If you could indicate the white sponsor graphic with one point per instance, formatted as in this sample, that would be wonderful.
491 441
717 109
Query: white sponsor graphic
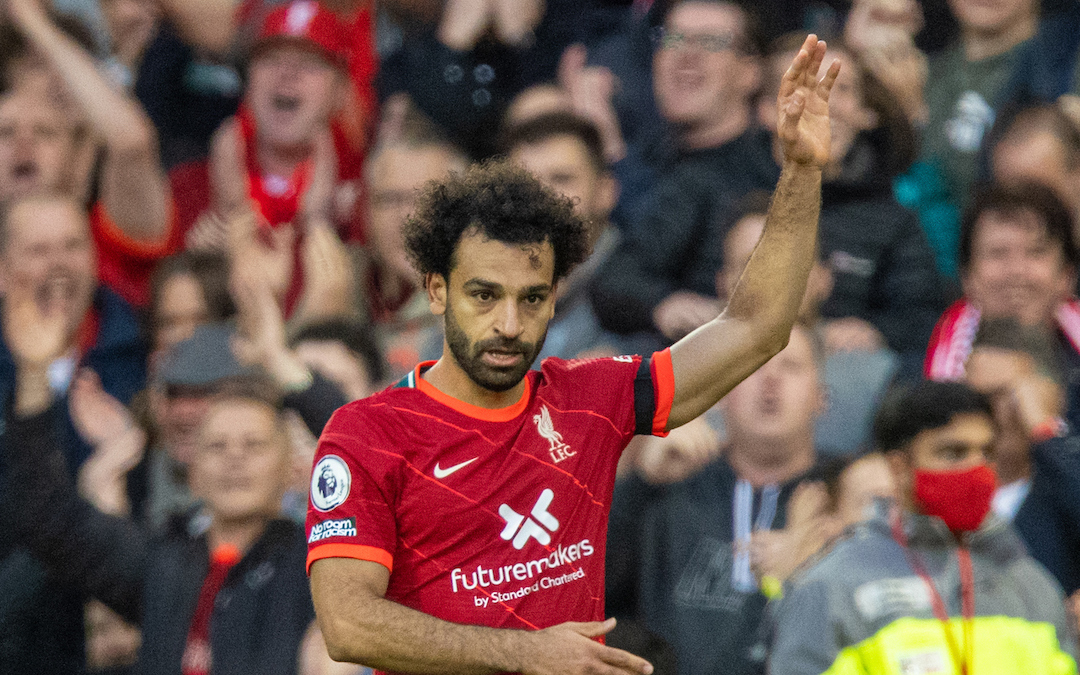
930 662
299 16
488 577
521 529
441 473
346 527
623 359
330 482
558 450
892 597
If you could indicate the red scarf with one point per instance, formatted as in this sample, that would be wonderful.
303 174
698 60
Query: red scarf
198 658
950 344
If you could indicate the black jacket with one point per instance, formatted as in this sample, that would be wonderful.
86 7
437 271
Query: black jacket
1049 518
261 613
678 243
882 265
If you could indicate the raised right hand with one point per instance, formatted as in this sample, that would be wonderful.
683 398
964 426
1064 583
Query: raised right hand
569 649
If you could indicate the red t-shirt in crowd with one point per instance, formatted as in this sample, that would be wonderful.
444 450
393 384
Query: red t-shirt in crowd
124 264
487 517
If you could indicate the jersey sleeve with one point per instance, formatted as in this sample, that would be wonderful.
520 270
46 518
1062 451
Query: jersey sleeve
635 393
353 490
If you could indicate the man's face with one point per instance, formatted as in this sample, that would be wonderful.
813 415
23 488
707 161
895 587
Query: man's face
37 144
242 465
562 163
497 305
394 179
966 442
292 92
180 414
1016 270
780 400
991 16
698 72
993 372
181 309
1038 157
49 254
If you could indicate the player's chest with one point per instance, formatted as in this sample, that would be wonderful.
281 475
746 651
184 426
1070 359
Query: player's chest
520 481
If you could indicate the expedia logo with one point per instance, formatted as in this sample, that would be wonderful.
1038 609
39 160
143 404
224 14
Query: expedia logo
346 527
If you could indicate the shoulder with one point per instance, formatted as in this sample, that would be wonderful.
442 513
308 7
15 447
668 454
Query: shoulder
856 557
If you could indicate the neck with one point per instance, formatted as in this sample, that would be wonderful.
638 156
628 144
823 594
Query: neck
764 462
241 533
723 129
979 45
280 160
448 377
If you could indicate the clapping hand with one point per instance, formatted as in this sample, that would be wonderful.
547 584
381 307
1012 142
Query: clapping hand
803 106
107 425
36 332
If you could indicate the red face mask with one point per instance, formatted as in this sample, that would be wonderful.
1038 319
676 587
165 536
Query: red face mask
960 498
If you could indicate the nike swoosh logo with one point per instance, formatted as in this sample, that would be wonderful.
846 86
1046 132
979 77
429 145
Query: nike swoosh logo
441 473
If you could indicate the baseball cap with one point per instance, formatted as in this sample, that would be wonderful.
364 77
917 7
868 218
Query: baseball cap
205 359
306 23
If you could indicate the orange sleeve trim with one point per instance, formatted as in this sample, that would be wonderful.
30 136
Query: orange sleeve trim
115 235
369 553
487 414
664 385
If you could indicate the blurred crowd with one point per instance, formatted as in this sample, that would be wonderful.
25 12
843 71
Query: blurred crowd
211 193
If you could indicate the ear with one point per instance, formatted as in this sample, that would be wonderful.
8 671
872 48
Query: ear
436 292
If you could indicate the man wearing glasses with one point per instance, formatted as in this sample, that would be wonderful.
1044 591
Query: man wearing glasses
706 70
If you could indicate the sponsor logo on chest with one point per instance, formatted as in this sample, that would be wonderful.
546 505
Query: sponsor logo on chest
512 581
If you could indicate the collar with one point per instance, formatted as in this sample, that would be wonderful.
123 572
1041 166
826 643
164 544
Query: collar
415 380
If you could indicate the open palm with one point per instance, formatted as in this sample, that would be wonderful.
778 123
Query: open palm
803 106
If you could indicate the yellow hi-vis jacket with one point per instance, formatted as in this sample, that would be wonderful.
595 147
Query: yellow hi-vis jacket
862 609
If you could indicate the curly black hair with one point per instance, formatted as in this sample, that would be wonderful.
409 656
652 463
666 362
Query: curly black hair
500 201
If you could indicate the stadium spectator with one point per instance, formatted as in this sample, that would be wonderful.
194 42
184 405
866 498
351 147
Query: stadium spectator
344 352
1001 613
46 251
132 221
396 171
964 90
840 496
174 588
280 157
679 554
1041 144
1017 368
566 153
1018 260
192 77
705 72
886 291
187 290
463 64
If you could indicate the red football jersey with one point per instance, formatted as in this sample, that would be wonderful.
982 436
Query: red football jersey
487 517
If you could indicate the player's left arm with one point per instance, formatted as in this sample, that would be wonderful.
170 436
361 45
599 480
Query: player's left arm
133 186
757 322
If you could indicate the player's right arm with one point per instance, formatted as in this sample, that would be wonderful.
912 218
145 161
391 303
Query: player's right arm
360 625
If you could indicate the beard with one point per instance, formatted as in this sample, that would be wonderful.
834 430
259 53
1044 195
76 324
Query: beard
469 356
